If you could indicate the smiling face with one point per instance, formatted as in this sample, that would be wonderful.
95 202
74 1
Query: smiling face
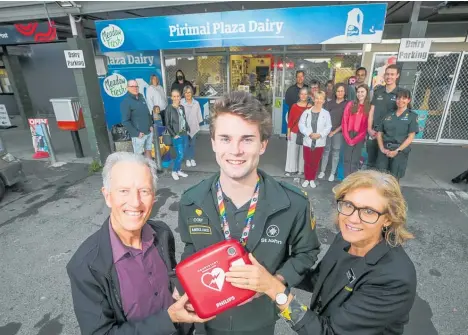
132 87
356 231
402 102
303 95
300 78
237 145
175 96
340 93
360 77
130 197
391 76
361 94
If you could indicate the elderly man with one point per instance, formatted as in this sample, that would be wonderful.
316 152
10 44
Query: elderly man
121 276
137 119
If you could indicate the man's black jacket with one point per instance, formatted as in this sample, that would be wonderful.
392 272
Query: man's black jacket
96 290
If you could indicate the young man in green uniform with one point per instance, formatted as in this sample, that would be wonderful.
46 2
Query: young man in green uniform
273 219
382 104
395 135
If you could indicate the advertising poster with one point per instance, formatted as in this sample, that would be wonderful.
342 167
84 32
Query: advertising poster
124 66
4 118
41 150
422 118
381 62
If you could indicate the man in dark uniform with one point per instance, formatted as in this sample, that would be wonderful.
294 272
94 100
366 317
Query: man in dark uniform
382 104
396 132
272 219
292 93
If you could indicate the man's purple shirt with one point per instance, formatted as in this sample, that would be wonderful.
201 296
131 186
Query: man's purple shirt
143 276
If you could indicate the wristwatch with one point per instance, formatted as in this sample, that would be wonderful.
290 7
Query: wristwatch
398 150
282 298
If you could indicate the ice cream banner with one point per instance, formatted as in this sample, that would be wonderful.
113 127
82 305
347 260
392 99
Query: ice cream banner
356 23
38 127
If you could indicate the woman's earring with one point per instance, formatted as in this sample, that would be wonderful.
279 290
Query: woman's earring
385 229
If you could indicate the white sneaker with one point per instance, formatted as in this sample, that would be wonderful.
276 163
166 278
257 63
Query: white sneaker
188 163
182 174
312 184
321 175
193 162
287 174
331 178
305 183
175 176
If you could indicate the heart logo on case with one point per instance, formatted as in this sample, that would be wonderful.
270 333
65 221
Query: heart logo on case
214 280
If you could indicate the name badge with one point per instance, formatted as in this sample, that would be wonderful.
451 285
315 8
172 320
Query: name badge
199 230
198 220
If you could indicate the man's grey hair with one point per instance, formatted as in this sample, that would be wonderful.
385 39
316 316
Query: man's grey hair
127 157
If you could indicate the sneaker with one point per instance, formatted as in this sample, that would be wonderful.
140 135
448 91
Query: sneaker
321 175
331 178
175 176
312 184
193 162
287 174
182 174
305 183
188 163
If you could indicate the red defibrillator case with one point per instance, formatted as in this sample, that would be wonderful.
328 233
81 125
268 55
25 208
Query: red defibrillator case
202 276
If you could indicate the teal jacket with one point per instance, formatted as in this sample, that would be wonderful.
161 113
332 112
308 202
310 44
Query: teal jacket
290 250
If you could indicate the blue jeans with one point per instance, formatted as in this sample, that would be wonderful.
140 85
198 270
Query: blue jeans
180 145
190 151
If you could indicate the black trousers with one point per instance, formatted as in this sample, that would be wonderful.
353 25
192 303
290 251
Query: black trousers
270 330
396 166
351 157
372 153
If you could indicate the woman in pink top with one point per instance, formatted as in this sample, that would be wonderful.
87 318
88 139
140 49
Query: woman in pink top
354 128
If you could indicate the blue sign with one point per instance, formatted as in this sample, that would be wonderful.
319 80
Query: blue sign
281 26
123 66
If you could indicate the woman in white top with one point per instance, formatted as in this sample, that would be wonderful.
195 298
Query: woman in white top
156 99
194 118
315 124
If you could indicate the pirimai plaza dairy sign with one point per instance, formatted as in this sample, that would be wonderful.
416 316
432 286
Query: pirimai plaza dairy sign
356 23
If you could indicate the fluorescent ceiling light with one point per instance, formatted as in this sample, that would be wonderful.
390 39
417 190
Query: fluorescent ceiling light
67 4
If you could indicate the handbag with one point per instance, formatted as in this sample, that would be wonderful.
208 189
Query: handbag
120 133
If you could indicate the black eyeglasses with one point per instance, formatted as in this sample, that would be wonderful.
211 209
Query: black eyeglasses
366 214
133 86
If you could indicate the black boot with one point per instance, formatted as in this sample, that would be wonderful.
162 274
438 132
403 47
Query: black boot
461 177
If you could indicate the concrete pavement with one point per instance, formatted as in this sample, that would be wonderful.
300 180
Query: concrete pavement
41 230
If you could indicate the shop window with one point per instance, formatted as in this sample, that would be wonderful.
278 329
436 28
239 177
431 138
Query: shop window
206 73
5 85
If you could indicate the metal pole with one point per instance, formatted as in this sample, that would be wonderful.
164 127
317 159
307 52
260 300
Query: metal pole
45 131
77 144
73 25
157 151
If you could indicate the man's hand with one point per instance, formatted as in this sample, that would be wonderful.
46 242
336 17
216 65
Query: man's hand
141 135
175 294
178 312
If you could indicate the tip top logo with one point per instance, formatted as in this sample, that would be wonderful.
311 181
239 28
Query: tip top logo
115 85
112 36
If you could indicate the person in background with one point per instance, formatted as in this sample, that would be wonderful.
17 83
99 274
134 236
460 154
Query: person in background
156 100
180 82
329 90
194 118
354 128
314 88
361 76
366 282
294 153
315 124
137 119
272 219
122 276
178 127
292 93
334 140
396 133
383 103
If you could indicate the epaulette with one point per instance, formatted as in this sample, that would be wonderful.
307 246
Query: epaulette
295 189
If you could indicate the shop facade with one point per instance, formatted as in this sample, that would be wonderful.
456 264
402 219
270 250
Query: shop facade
221 52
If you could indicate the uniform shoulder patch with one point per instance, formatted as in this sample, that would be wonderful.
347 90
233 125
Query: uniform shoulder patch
294 189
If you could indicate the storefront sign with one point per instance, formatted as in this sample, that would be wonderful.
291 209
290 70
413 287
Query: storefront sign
115 85
280 26
41 149
4 118
35 32
74 59
414 49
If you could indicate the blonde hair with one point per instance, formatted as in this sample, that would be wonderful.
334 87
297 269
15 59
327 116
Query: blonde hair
320 93
396 233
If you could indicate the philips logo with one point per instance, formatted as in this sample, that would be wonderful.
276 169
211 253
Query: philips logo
225 301
3 35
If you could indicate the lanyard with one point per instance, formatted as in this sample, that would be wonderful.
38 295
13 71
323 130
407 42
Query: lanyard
248 219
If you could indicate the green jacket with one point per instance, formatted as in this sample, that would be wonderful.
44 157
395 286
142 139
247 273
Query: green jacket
289 249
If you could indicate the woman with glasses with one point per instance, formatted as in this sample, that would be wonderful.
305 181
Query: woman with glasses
365 283
395 135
